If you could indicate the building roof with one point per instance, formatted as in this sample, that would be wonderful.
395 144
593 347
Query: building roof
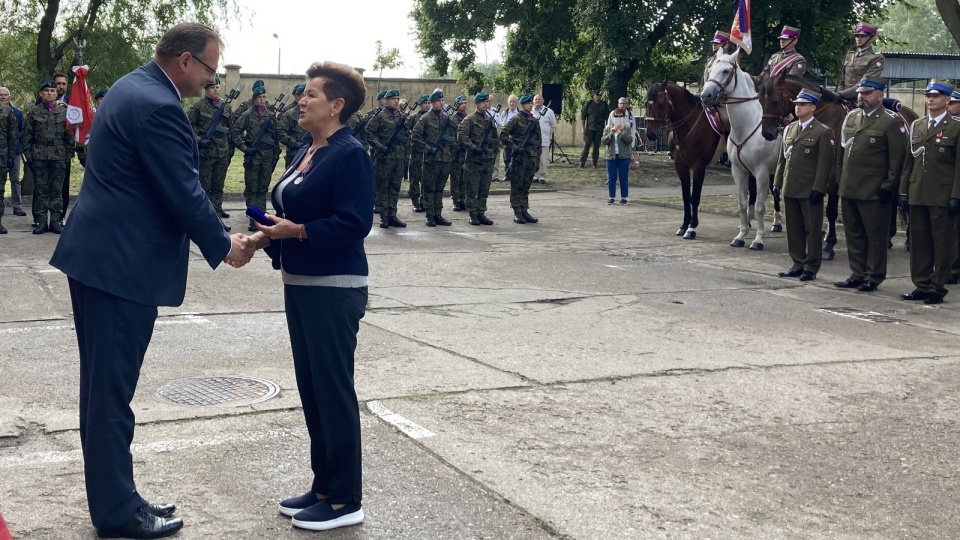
901 66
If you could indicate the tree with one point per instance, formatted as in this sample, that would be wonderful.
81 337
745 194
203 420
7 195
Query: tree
950 13
386 60
915 26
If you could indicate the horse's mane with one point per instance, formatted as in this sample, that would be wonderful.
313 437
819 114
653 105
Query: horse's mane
652 94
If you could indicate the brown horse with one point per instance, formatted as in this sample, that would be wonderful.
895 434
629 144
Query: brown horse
776 97
692 146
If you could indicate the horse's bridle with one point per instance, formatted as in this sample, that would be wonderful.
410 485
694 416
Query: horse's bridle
723 98
784 113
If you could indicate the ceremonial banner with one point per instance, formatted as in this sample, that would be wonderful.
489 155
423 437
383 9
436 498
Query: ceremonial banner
740 32
80 108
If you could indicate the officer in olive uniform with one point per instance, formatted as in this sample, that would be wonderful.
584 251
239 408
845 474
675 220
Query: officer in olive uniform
254 134
435 135
387 134
860 63
46 143
932 192
593 117
788 58
457 187
9 137
872 155
478 136
288 129
415 155
721 40
954 109
521 134
214 151
803 168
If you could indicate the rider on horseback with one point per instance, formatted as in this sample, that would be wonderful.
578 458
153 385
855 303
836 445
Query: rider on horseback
863 62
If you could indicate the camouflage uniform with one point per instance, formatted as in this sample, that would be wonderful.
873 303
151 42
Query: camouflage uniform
478 164
525 160
291 134
258 163
388 164
415 164
215 153
436 164
46 144
8 146
457 187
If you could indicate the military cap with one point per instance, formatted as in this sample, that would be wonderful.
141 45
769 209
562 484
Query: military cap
387 94
424 97
46 84
299 89
258 82
382 94
208 84
458 101
436 94
937 87
481 96
721 37
808 96
954 96
100 93
864 29
526 98
789 32
258 90
868 84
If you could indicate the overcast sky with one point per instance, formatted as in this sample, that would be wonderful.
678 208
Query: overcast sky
341 31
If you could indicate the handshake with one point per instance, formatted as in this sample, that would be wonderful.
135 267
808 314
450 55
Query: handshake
243 247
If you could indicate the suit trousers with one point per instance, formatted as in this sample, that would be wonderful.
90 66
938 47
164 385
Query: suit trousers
433 180
867 225
323 323
933 247
804 241
113 335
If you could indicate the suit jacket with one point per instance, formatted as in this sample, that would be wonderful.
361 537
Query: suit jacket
875 159
810 162
141 203
935 175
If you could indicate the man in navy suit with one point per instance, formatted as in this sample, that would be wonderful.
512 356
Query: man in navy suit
125 251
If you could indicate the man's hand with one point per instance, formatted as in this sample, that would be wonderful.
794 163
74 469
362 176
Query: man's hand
203 143
953 207
240 251
251 151
816 197
904 203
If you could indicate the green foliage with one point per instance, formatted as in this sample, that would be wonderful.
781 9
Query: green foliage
389 59
915 26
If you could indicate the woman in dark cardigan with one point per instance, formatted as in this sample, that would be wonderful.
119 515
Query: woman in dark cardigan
323 207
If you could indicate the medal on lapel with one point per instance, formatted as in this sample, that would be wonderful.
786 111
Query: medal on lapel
939 136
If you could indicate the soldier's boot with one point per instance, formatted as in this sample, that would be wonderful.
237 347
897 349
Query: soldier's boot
3 230
417 207
456 206
431 222
440 220
518 216
474 218
483 219
41 226
395 222
56 227
224 215
528 217
384 220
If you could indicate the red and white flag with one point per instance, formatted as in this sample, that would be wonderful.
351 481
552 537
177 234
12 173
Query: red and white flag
740 32
80 107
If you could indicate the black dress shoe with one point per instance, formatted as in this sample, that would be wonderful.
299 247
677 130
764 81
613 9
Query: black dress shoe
933 298
954 279
19 212
440 220
808 276
850 283
143 525
160 510
867 286
395 222
917 294
484 220
224 215
793 272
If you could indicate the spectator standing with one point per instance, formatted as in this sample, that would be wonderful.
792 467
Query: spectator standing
617 138
548 126
593 117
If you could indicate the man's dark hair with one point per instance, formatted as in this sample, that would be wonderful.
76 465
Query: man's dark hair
58 75
340 81
188 37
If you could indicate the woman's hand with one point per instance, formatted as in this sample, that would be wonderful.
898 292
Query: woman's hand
281 228
258 240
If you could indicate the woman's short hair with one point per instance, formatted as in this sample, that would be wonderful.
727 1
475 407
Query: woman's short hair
188 37
340 81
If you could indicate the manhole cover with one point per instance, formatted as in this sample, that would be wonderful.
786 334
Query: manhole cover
224 391
859 314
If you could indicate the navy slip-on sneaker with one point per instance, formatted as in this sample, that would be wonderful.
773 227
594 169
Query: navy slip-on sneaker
290 507
322 517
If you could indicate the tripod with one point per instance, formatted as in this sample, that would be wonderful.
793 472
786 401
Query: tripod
555 148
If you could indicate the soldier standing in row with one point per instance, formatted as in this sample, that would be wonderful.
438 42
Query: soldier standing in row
46 142
805 163
254 134
593 118
873 151
478 136
457 187
954 109
521 134
289 131
9 138
932 192
387 134
787 58
415 156
434 135
214 151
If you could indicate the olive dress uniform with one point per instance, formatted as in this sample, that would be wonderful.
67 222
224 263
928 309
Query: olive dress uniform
858 64
259 159
215 152
803 167
46 143
871 160
388 161
525 161
437 156
478 164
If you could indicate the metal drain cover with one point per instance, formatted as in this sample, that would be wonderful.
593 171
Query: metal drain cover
862 315
222 391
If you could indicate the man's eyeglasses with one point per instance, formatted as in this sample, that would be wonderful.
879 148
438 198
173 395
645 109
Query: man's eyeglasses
204 64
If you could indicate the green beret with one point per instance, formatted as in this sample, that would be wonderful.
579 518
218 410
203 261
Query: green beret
208 84
46 84
259 90
425 97
382 95
481 96
526 98
258 82
458 101
391 94
436 94
299 89
100 93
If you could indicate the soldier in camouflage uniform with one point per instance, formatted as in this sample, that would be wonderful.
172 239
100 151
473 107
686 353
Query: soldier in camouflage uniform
457 187
861 63
259 156
291 135
215 151
389 156
415 159
436 136
478 136
522 135
8 149
46 143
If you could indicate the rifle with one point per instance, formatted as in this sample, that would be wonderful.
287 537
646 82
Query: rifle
216 130
486 133
535 124
280 104
401 123
362 124
441 139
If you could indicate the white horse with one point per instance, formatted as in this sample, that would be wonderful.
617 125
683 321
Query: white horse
750 154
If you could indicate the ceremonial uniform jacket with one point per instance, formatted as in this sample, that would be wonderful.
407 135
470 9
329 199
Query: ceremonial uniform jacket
707 68
247 126
515 131
9 135
595 115
806 159
791 61
45 135
201 116
860 64
935 174
470 135
874 154
381 127
425 134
